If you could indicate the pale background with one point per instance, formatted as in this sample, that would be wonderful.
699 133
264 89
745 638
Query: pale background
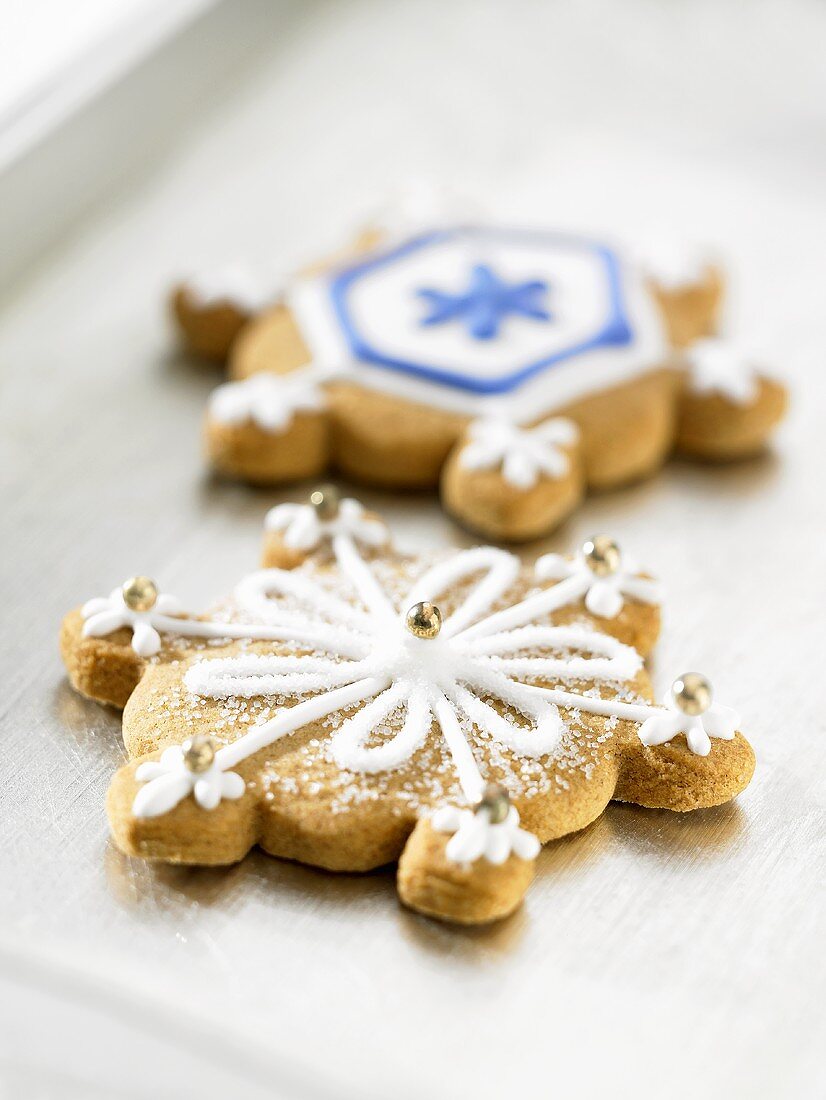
656 955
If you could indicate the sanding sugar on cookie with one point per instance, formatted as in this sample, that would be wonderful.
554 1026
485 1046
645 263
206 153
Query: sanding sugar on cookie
355 706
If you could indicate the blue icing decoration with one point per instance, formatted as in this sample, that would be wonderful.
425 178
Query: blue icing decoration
487 301
614 330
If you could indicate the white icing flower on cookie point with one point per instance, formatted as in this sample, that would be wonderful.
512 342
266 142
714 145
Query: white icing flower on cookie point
304 527
136 604
674 264
720 366
524 455
270 401
690 711
191 768
490 830
249 288
602 576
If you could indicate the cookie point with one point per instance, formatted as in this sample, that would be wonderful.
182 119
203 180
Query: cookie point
602 555
424 620
692 693
496 800
139 593
199 753
325 499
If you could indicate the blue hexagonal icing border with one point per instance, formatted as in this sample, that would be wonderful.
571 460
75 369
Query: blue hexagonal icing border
615 332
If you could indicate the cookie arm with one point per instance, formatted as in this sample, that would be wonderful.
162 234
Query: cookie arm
468 893
209 330
511 483
715 428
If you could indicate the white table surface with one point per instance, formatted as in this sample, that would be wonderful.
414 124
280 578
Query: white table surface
657 955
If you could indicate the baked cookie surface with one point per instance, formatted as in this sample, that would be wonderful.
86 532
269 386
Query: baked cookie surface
351 706
514 369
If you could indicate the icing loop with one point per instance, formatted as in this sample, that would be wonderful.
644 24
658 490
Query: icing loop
716 721
237 284
523 455
476 836
304 529
106 614
169 780
718 366
270 401
604 595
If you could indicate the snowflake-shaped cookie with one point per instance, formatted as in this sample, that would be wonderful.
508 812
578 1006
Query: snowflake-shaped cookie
364 706
514 370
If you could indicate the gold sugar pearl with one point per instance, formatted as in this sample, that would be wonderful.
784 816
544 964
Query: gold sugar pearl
199 753
602 555
692 693
325 499
139 593
496 800
424 620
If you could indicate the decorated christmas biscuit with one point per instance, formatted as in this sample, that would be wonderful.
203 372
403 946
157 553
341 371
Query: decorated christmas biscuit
515 369
364 707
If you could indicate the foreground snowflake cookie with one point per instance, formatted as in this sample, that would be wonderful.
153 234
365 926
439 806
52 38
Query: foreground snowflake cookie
516 370
362 707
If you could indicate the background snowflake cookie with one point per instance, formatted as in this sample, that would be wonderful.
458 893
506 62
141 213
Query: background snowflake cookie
452 355
365 707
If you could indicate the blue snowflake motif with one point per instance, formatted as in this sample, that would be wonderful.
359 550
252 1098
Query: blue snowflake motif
487 301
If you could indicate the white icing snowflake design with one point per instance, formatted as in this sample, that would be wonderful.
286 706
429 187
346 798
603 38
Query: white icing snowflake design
523 454
105 614
476 836
303 528
269 400
604 596
365 653
717 721
718 366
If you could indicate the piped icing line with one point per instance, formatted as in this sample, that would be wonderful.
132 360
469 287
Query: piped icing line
303 529
719 366
475 836
270 401
524 455
366 655
604 595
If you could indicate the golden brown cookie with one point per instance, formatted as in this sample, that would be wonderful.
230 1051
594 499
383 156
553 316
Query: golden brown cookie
516 370
363 707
